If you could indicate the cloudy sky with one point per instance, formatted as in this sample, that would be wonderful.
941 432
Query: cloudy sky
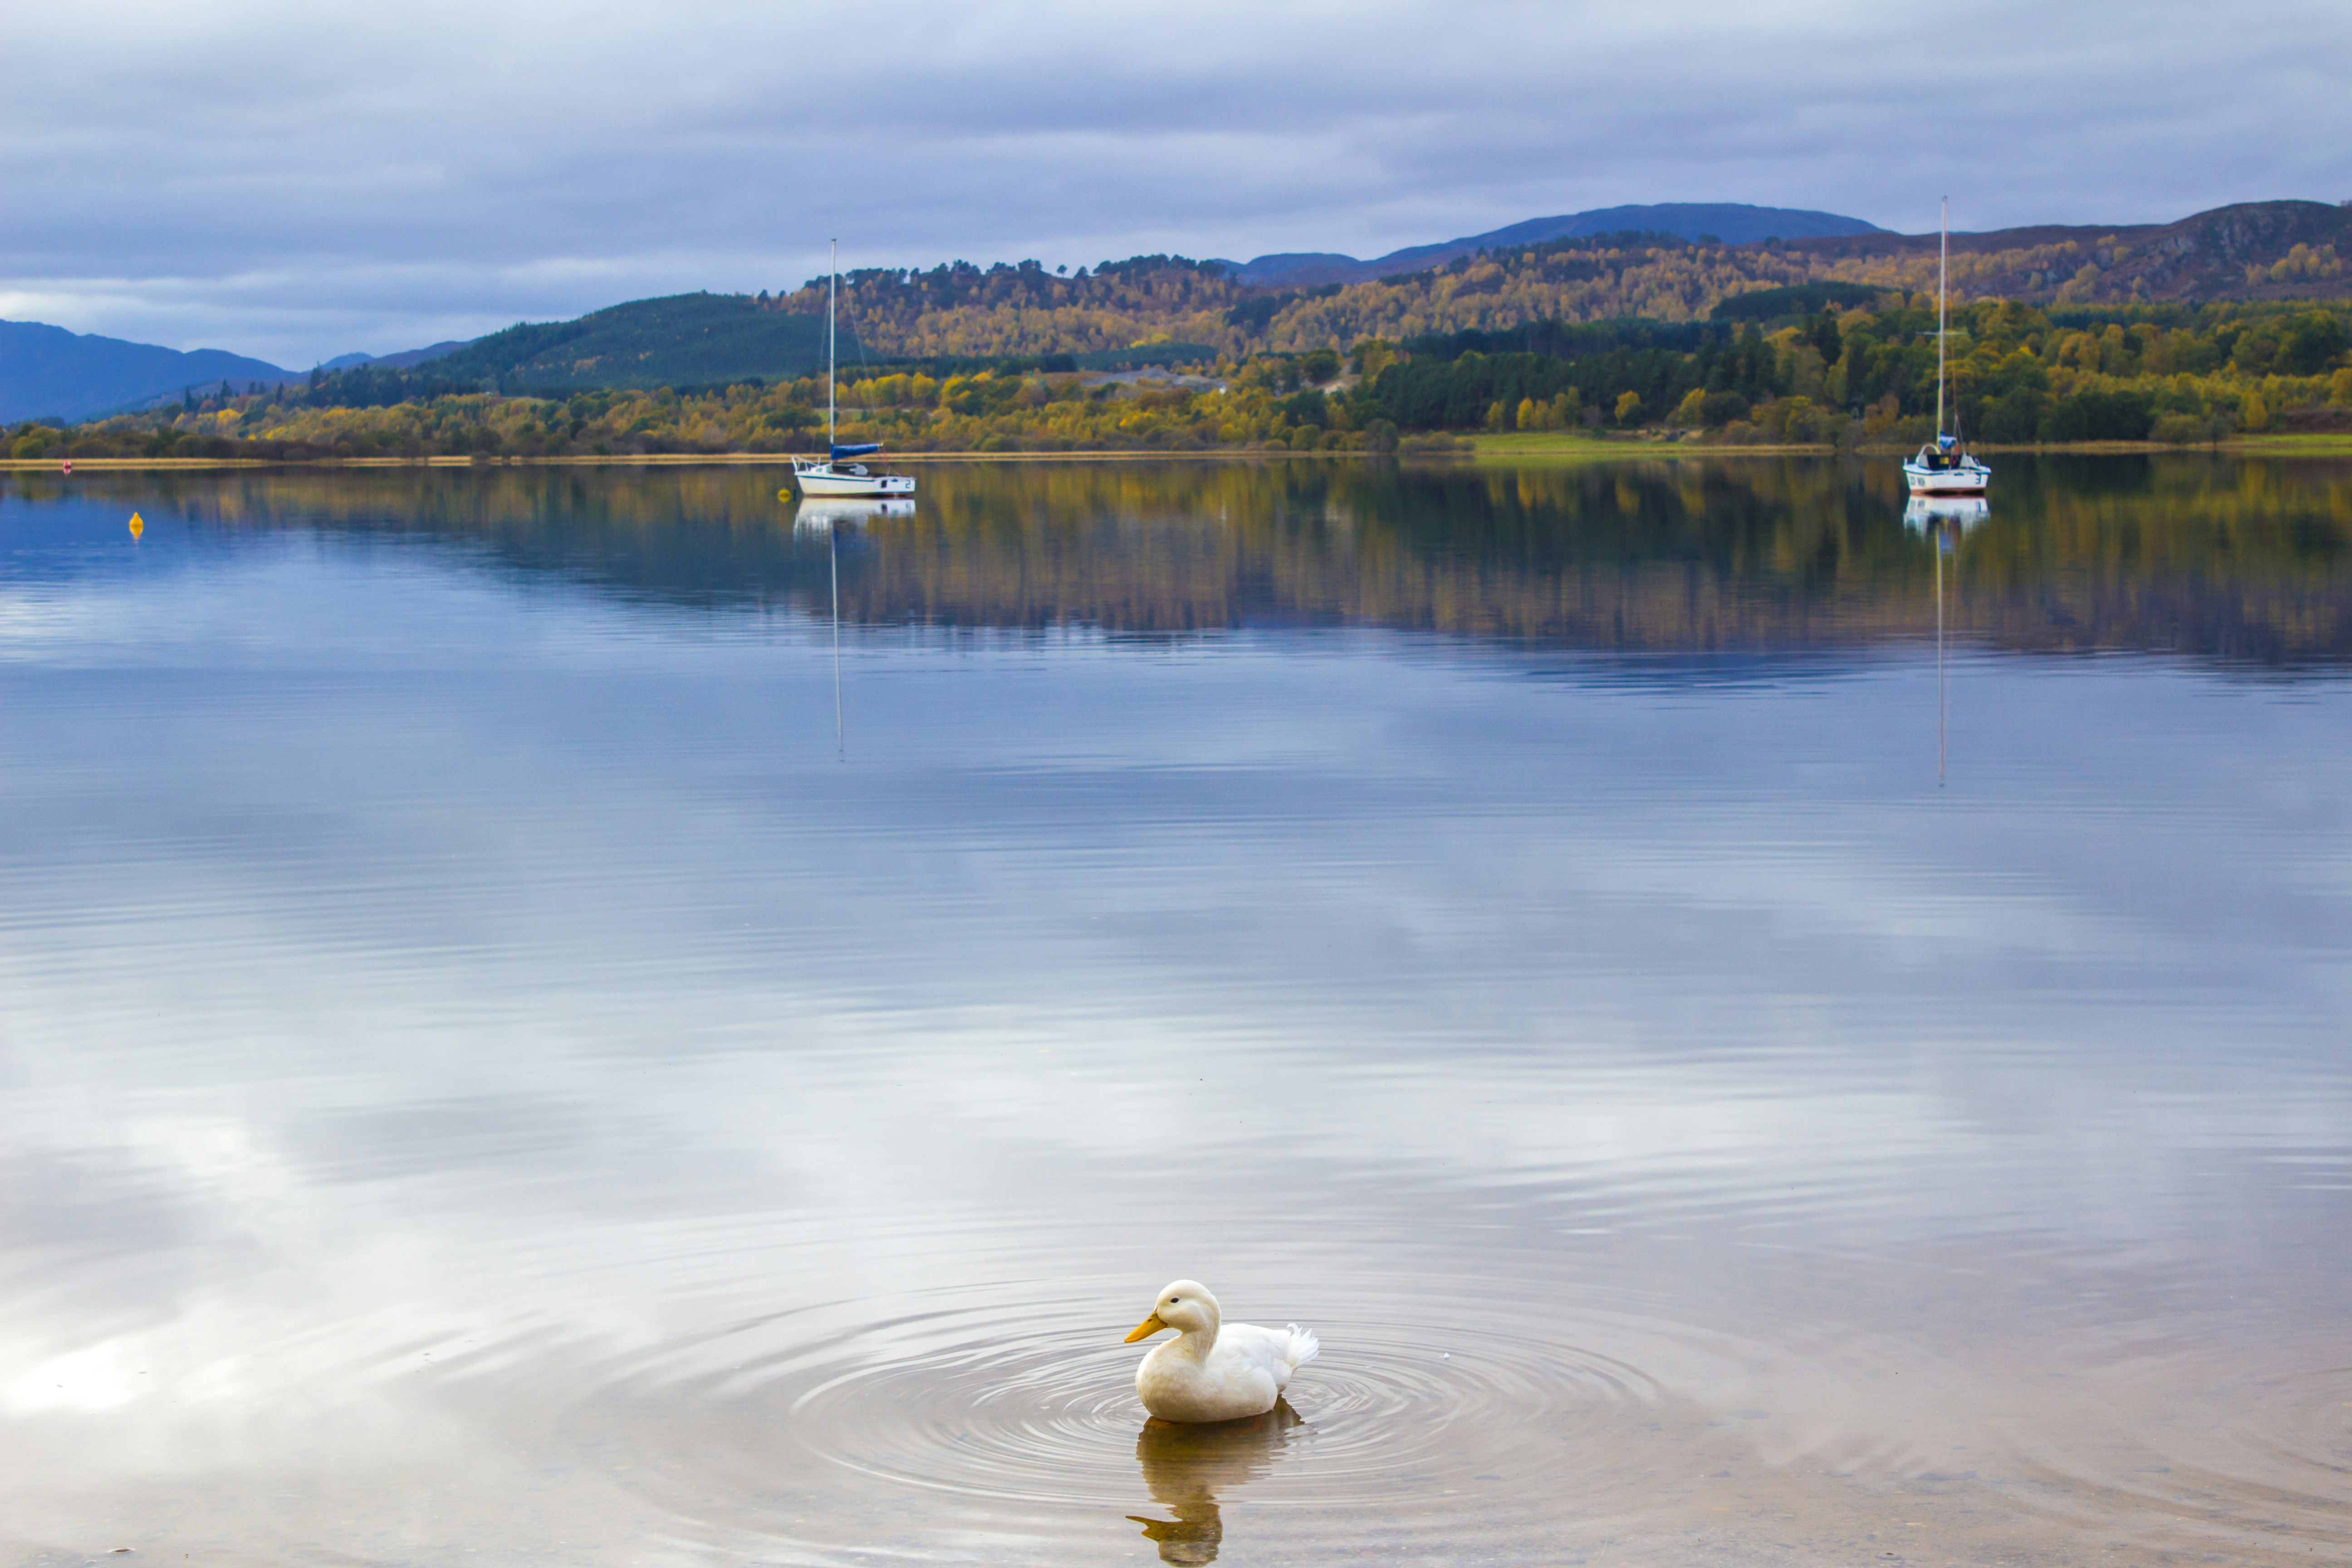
295 181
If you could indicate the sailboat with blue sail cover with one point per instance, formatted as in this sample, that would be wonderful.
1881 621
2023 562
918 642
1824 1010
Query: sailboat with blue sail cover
1945 467
841 473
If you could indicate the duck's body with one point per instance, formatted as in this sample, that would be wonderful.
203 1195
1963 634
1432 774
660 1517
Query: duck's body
1214 1371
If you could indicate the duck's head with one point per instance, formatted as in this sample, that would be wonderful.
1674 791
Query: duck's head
1186 1307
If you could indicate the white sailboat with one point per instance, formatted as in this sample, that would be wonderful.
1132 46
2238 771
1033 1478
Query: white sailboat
1943 467
840 473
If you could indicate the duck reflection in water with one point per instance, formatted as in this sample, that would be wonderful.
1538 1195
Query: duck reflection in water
1187 1464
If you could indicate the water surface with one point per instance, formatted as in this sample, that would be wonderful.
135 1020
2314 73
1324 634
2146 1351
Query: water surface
494 1069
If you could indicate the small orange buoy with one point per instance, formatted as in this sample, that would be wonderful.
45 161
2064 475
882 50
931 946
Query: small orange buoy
138 525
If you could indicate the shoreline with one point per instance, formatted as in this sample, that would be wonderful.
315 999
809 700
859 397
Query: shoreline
1482 448
2292 444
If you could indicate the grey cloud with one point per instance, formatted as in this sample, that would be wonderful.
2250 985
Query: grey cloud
294 182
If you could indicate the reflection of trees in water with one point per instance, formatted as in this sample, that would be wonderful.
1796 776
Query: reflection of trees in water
1189 1469
2241 560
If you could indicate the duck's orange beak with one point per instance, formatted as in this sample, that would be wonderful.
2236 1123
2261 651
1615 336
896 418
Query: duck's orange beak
1146 1328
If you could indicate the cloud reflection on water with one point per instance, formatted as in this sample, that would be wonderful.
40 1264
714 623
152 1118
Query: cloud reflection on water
452 1011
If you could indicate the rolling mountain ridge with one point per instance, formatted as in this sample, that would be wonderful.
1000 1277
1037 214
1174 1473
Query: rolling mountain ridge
2277 250
400 361
1725 223
1617 263
47 371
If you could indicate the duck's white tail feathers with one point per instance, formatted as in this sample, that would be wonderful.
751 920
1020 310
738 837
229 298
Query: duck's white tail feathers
1303 1345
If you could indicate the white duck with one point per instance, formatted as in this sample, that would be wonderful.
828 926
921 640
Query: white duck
1213 1371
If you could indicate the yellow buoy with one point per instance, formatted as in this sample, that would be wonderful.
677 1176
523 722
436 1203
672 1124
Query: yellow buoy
138 525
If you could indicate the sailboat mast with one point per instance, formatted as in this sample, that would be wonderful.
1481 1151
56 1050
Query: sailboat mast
1943 270
832 307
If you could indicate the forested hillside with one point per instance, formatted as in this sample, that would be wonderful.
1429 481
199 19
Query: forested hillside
1826 342
958 309
1026 310
2268 250
1713 223
1844 377
2257 250
2017 374
684 340
1170 307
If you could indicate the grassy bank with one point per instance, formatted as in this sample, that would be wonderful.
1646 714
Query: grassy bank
1581 447
651 461
1528 447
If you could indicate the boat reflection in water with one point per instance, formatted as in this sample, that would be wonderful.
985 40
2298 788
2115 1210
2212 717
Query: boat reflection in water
1186 1466
827 511
1945 519
1949 514
829 516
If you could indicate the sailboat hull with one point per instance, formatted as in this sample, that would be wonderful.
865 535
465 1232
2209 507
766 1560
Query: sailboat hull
827 479
1970 478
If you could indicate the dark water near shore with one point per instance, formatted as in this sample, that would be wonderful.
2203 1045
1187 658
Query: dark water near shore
493 1069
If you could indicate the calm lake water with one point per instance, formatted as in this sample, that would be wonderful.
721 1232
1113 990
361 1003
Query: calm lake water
505 1057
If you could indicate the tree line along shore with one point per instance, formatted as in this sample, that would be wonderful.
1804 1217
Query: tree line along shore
2243 561
1815 364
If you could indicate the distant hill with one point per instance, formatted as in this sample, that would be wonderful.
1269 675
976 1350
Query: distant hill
48 371
2255 250
399 361
682 339
1615 264
2260 250
1723 223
